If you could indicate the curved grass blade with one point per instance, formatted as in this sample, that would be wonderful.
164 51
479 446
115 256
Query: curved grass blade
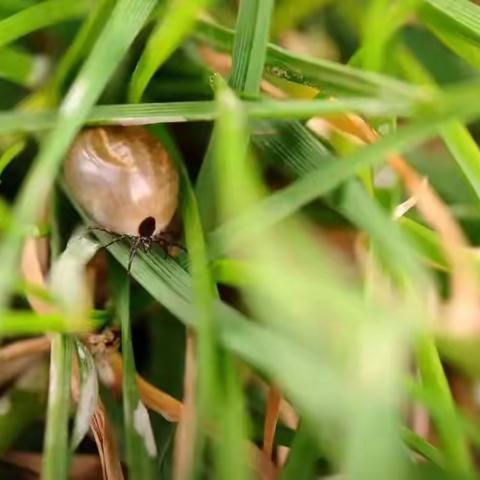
39 16
81 44
172 28
109 49
10 153
329 77
22 68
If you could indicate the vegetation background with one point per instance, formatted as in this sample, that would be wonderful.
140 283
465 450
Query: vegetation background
325 322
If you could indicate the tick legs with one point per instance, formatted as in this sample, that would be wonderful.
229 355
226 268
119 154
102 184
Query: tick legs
166 239
133 250
91 228
115 240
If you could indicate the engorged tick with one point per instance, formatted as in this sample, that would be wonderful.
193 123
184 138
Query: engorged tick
126 182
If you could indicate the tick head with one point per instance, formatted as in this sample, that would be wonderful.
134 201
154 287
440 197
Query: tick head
147 227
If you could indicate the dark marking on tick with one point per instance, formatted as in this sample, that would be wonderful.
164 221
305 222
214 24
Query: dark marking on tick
147 227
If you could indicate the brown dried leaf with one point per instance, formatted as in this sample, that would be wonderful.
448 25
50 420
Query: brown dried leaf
106 444
155 399
263 465
16 357
271 418
82 466
34 265
102 432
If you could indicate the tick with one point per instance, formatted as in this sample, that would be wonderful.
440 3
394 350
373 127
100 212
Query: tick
126 182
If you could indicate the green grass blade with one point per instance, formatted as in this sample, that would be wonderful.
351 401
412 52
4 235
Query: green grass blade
428 244
452 437
110 48
38 16
21 68
302 457
18 322
456 24
288 15
219 387
229 153
251 38
140 443
389 240
82 43
232 454
249 50
56 454
203 294
10 153
172 28
419 445
462 14
374 43
12 6
130 114
381 21
465 151
329 77
178 112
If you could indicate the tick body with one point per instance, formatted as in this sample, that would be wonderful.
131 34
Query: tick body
125 181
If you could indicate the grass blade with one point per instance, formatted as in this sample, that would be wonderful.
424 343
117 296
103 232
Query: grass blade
302 457
229 152
456 24
140 443
38 16
178 112
82 43
16 322
462 14
452 437
56 455
465 151
329 77
249 50
203 294
172 28
22 68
